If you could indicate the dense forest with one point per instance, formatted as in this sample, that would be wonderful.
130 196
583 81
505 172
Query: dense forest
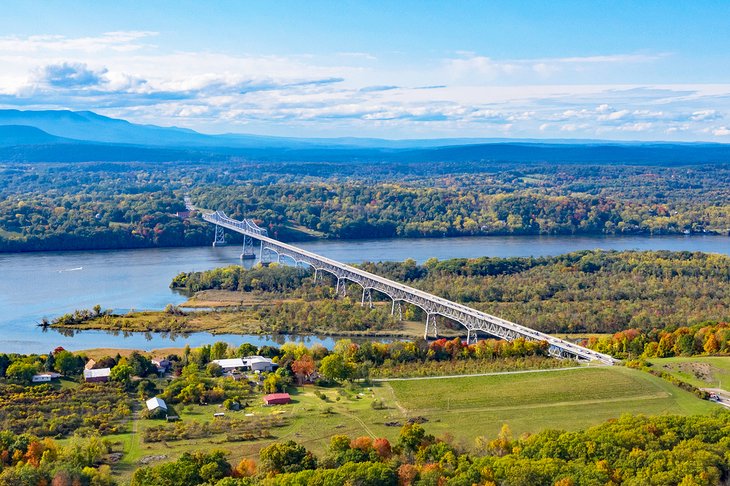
90 206
585 291
628 451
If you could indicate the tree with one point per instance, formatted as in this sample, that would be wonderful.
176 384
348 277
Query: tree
303 367
214 370
21 372
219 350
285 457
146 389
335 367
412 436
141 365
68 364
711 345
274 383
121 373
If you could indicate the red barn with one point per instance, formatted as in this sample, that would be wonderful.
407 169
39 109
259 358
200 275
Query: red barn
277 399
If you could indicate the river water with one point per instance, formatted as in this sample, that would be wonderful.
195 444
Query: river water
37 285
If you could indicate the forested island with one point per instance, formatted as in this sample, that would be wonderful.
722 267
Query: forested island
128 205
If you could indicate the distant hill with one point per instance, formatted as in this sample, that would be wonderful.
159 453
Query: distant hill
25 135
70 136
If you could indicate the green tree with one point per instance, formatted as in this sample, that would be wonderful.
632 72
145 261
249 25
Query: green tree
21 372
122 373
68 363
335 367
285 457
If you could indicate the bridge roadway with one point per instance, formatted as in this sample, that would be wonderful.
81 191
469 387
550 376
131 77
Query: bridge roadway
473 320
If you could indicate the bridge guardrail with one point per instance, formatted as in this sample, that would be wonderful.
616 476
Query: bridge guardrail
220 218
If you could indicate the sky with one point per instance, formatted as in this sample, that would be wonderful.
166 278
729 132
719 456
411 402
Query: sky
616 70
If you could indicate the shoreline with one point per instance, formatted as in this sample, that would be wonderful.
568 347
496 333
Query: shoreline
708 234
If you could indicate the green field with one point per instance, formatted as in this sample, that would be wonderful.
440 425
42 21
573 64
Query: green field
463 407
566 399
702 372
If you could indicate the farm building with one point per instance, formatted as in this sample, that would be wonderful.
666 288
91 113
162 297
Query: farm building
277 399
155 403
259 363
45 377
230 364
95 376
249 363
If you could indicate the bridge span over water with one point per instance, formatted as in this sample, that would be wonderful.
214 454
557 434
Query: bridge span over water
473 320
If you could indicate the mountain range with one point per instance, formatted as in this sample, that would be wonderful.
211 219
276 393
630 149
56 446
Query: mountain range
79 136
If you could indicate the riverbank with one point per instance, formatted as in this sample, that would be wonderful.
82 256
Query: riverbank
221 312
49 284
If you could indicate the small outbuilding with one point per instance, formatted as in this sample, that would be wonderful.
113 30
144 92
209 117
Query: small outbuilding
259 363
97 375
162 364
154 404
230 364
277 399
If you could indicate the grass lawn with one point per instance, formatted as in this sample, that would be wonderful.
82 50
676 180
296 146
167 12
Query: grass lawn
463 407
567 399
702 371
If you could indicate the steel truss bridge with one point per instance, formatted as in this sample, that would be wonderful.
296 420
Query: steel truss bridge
473 320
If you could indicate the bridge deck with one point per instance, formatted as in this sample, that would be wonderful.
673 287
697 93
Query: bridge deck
472 319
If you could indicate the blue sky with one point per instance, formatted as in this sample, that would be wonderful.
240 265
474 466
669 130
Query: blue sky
622 70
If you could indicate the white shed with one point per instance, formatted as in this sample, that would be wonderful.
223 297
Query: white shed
155 403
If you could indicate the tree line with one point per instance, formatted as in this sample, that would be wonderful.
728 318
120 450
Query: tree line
101 206
631 450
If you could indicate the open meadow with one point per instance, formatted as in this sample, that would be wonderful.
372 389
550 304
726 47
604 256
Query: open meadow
464 408
701 371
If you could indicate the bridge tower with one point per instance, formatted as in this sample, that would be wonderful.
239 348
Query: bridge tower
247 252
220 236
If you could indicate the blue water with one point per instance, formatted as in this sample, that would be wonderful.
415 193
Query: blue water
37 285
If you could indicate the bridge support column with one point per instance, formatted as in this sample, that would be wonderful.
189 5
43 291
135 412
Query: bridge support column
400 309
367 295
220 236
247 252
341 287
316 274
430 321
471 336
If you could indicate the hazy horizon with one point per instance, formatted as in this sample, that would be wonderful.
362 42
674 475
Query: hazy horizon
617 71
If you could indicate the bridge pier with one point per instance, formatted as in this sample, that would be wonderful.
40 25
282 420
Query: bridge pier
220 237
471 334
366 294
432 305
341 287
430 321
247 252
396 304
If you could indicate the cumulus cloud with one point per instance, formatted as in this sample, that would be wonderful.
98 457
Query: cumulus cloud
122 74
71 75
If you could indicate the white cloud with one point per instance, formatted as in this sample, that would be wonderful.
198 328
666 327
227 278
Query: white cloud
349 93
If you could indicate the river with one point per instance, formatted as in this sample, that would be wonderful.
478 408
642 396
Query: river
37 285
